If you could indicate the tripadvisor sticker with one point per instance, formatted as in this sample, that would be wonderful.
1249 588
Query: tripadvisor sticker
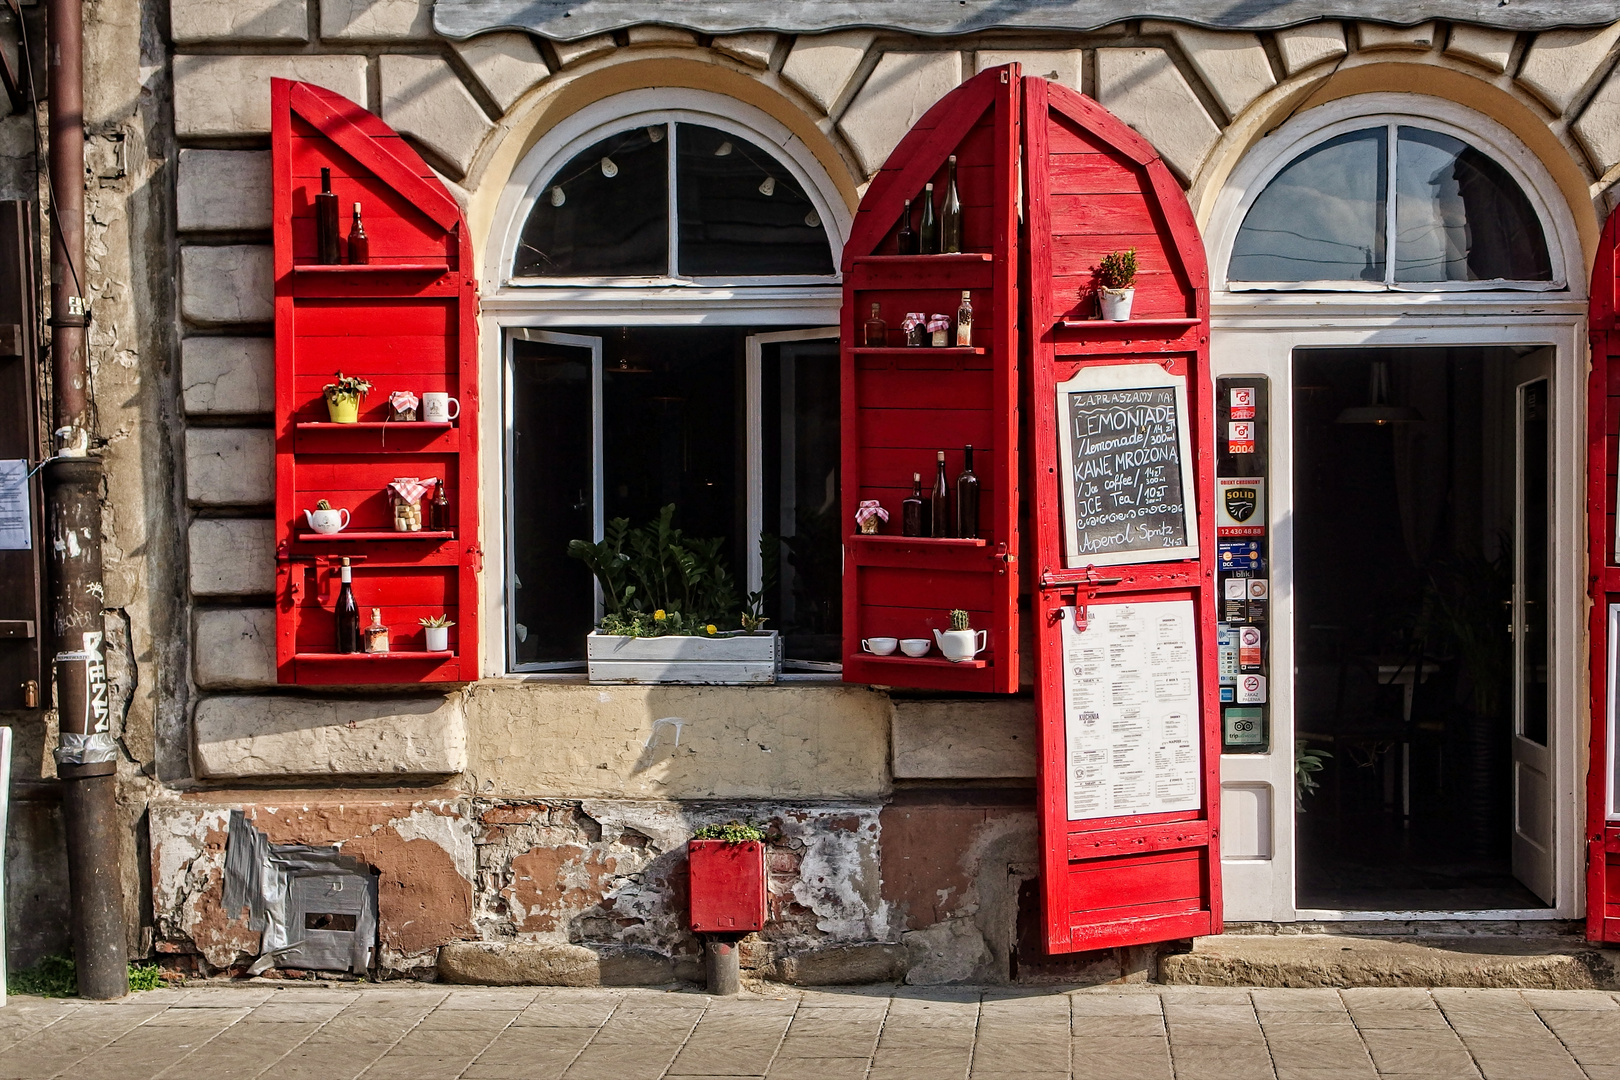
1240 506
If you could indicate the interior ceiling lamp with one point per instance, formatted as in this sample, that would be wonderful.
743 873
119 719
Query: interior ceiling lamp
629 361
557 196
767 186
609 169
1378 410
656 133
723 149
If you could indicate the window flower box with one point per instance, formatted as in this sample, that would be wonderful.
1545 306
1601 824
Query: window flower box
738 658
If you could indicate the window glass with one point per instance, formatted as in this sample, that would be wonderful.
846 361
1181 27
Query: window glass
605 213
741 213
1459 216
1321 218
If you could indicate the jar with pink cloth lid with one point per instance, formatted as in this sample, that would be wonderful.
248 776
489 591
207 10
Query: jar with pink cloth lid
405 493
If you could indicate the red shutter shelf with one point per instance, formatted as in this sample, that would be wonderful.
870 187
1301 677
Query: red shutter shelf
404 321
898 660
1127 324
923 541
917 350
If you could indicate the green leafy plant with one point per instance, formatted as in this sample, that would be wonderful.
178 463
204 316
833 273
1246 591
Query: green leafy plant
1118 269
770 556
1308 761
959 619
656 580
146 977
57 976
732 832
347 386
436 620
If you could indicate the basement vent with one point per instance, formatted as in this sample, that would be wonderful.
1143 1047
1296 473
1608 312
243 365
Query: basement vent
313 908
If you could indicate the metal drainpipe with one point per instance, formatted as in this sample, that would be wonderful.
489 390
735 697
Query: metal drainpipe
86 756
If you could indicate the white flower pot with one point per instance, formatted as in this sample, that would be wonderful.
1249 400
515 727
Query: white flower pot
1115 304
438 638
736 658
961 645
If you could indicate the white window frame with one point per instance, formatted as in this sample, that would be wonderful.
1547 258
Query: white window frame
1392 111
1255 332
566 307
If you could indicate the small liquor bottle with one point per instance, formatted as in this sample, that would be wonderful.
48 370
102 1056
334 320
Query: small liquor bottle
376 633
941 498
439 509
905 241
359 246
964 321
327 251
347 615
928 228
914 511
967 497
877 331
950 219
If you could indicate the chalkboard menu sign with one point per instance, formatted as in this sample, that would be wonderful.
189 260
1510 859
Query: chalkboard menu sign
1127 467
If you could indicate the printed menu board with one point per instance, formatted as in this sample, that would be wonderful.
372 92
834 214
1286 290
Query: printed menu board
1130 707
1128 470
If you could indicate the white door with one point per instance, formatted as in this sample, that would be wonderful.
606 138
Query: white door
1533 787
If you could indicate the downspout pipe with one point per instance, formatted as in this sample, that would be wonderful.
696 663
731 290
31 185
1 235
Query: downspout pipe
86 754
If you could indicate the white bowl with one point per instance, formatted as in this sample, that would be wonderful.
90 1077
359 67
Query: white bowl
879 646
915 646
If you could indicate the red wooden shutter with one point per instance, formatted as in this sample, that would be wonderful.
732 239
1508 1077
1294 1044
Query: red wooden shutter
405 321
902 405
1603 435
1094 186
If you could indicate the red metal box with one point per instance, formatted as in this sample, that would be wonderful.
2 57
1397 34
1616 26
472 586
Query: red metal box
728 886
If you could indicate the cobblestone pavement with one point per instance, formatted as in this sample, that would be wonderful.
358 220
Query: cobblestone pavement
411 1032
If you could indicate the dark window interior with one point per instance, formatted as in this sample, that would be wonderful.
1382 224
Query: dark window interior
604 224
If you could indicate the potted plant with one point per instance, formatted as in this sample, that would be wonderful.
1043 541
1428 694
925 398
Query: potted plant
961 642
343 398
727 867
324 519
1116 284
436 629
672 610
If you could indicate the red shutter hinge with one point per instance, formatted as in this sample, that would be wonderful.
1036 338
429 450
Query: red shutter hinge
475 555
1004 557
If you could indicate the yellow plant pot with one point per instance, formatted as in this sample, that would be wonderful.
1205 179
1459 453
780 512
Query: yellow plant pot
343 410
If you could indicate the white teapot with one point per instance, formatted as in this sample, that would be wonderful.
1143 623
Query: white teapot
961 642
324 519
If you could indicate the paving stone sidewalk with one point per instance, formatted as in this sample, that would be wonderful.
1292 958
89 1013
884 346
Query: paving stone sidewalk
411 1032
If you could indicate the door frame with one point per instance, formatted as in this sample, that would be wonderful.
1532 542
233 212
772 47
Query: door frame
1257 336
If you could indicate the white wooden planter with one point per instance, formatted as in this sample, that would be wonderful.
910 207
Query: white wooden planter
736 659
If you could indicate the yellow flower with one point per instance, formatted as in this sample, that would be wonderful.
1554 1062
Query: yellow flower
659 614
710 628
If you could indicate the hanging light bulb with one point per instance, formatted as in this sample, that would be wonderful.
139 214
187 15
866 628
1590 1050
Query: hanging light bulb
723 149
813 220
767 186
609 169
557 196
656 132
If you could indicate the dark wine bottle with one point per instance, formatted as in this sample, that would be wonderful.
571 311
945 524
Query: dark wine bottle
967 497
359 246
905 241
928 228
439 509
950 218
347 615
912 511
941 497
327 252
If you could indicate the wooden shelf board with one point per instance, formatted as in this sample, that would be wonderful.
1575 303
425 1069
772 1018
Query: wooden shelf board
916 661
343 658
939 541
374 534
918 350
1117 324
374 425
371 268
926 260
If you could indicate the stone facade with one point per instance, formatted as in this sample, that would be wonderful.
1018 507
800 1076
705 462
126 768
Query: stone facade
903 838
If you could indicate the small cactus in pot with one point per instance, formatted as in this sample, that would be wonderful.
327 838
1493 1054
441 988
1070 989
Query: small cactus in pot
961 642
959 619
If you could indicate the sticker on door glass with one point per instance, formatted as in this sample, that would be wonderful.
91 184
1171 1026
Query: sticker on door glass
1241 402
1240 506
1130 705
1240 437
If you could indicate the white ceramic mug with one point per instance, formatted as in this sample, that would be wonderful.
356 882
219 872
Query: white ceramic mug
915 646
327 521
879 646
436 407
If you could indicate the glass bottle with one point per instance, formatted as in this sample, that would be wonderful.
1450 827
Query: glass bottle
347 614
327 251
967 497
359 245
905 241
877 331
916 329
928 228
913 510
941 498
439 509
964 321
376 633
950 219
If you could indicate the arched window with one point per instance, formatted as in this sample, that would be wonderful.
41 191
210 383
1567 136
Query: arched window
1458 219
677 200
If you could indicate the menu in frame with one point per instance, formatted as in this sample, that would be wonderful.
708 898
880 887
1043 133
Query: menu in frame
1130 707
1125 453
